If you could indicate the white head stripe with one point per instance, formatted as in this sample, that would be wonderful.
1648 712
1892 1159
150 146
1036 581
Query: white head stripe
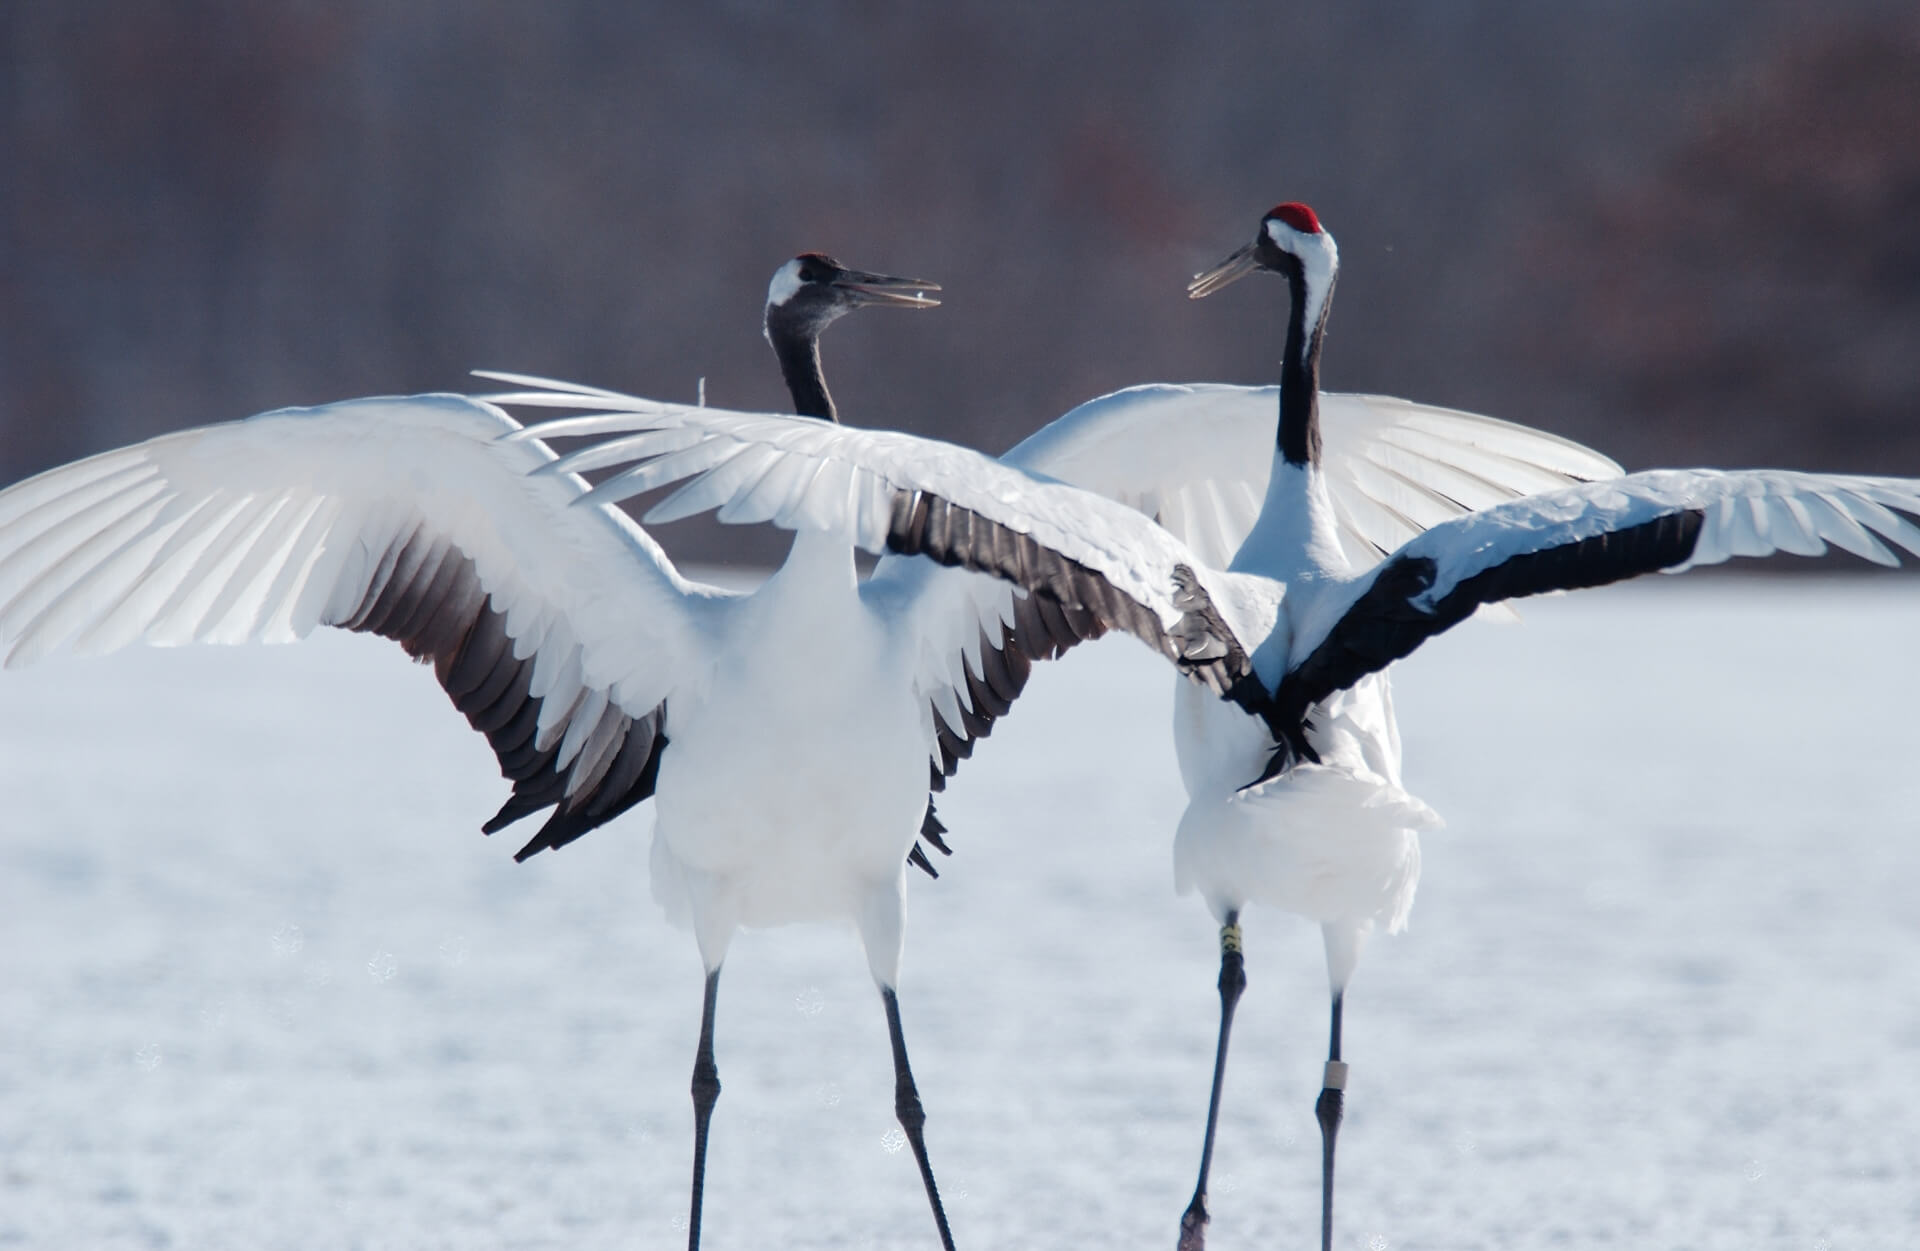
1319 258
786 283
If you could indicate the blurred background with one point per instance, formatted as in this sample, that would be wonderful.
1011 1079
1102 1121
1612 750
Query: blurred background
1684 232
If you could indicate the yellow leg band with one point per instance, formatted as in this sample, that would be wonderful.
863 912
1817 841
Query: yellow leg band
1230 938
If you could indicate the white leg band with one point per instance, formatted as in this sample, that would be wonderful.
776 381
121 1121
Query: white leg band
1336 1075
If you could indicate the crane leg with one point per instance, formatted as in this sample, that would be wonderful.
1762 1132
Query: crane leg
706 1092
1328 1110
913 1118
1233 980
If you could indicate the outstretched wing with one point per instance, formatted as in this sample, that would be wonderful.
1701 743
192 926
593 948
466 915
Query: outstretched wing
1102 565
1663 520
1196 458
558 631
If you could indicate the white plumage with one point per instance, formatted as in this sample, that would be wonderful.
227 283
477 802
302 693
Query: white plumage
258 531
1196 457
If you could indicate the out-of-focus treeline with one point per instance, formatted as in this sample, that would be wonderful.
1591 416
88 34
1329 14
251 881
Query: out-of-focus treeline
1682 231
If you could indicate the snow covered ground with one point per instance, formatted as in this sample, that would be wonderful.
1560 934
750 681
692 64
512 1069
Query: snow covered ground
262 984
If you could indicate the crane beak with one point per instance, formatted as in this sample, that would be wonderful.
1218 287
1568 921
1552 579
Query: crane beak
1235 267
887 291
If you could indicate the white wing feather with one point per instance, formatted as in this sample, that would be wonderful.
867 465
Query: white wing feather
262 529
1197 457
848 477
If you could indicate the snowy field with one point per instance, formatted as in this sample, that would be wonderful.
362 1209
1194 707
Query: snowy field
264 986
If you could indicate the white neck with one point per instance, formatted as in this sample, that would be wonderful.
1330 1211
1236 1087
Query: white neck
1295 538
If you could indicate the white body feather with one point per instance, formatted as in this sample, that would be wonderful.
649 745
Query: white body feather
794 785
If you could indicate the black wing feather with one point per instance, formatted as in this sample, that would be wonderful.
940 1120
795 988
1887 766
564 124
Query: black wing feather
426 596
1385 624
1068 601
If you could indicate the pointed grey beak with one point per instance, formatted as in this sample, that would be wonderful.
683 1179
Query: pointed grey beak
888 291
1235 267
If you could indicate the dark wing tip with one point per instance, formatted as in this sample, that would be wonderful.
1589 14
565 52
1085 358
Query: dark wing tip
1205 648
1290 748
931 829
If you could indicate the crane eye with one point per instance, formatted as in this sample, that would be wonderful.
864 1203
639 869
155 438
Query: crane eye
809 274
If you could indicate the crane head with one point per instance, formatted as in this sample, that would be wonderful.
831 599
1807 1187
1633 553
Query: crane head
1291 241
813 290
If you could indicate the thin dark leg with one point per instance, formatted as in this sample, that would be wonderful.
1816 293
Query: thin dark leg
706 1092
1332 1103
906 1106
1233 980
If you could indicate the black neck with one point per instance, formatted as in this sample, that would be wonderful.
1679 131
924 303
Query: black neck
1299 435
797 344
